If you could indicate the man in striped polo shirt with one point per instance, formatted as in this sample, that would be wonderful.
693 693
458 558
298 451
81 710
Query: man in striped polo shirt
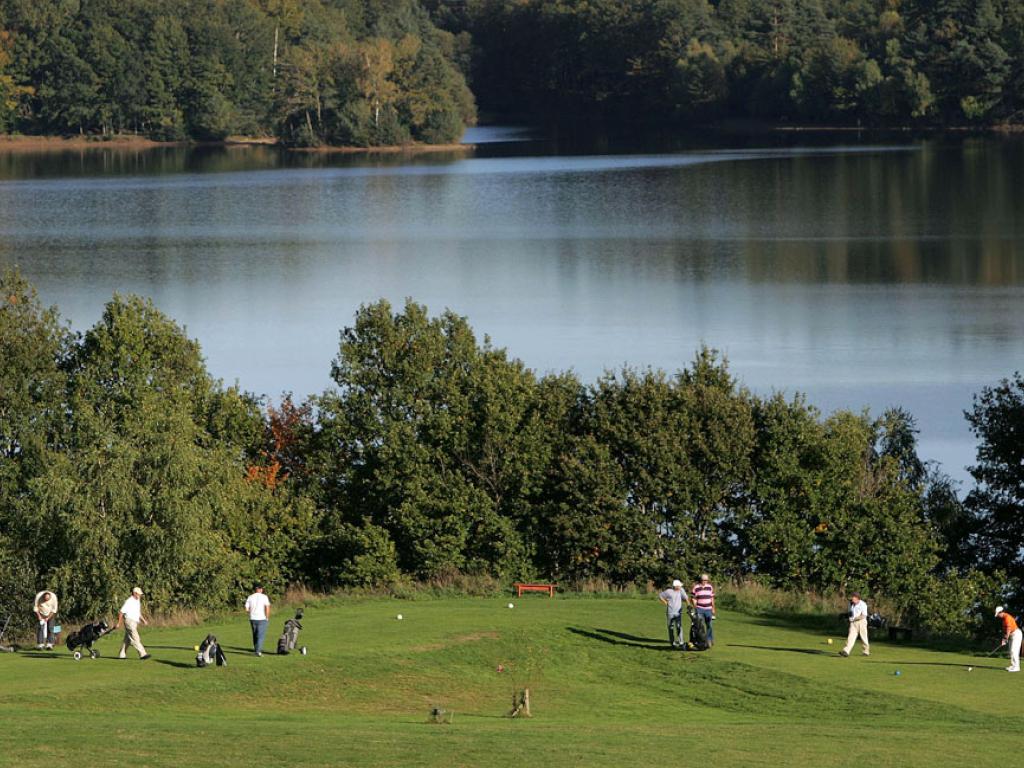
703 596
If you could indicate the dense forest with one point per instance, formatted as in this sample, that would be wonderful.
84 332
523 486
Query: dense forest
122 461
676 62
354 72
369 72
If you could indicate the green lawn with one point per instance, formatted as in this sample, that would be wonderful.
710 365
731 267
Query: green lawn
605 689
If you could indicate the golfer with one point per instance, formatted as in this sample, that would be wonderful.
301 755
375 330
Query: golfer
703 595
673 600
858 616
45 608
258 606
131 614
1011 637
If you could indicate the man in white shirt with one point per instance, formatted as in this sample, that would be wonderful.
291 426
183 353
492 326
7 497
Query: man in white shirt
131 615
45 608
858 617
258 606
673 600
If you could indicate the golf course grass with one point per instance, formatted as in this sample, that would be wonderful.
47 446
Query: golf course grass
605 690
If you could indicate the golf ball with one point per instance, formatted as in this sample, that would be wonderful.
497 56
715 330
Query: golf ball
829 641
897 673
399 617
510 605
970 669
195 647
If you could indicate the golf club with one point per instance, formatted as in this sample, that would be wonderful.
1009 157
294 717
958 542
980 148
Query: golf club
994 649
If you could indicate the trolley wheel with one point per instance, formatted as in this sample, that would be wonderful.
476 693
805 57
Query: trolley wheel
78 655
302 650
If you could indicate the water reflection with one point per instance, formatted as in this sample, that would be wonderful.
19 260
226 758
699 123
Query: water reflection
864 275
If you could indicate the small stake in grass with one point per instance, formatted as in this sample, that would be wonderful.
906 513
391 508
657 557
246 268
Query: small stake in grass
521 703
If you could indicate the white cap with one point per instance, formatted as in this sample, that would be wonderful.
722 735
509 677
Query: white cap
677 583
999 609
137 591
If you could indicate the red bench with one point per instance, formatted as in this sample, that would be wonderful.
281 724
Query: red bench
520 588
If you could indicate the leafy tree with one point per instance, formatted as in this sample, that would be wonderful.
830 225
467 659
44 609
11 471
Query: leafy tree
997 500
33 344
441 440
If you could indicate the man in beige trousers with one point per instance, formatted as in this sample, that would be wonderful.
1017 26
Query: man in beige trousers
131 615
858 616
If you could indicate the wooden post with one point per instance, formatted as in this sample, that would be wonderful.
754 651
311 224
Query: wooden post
521 703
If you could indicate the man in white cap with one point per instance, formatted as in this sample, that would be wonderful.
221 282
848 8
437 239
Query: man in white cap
673 600
131 615
1011 637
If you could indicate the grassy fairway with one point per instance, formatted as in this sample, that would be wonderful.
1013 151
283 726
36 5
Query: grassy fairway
606 691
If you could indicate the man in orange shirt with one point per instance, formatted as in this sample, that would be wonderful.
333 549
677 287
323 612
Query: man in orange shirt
1011 636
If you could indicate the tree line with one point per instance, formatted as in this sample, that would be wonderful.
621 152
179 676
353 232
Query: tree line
373 72
353 72
678 62
122 461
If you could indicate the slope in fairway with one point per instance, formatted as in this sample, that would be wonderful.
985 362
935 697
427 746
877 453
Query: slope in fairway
606 690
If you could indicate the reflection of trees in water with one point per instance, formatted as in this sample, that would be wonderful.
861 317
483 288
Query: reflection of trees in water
944 214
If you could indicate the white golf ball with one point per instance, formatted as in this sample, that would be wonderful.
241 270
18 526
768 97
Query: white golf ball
510 605
399 617
970 669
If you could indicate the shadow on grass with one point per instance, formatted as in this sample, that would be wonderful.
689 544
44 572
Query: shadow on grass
44 655
830 624
177 664
934 664
620 638
807 651
172 647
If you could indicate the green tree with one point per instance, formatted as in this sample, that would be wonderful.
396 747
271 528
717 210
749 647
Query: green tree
997 500
33 345
435 439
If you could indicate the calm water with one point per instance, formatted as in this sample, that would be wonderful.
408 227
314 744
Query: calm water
863 274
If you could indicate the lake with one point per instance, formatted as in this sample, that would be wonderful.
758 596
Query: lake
865 273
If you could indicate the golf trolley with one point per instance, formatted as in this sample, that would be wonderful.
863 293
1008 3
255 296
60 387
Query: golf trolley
85 637
698 631
290 637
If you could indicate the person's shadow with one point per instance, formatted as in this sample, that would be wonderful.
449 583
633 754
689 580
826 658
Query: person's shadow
807 651
177 664
621 638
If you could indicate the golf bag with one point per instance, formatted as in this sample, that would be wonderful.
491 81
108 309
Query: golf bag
877 621
5 648
698 631
85 637
290 637
210 652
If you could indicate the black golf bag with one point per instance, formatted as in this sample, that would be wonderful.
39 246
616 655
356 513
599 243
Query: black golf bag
698 631
290 637
877 621
210 652
85 637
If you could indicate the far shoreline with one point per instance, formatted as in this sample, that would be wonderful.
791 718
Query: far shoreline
19 143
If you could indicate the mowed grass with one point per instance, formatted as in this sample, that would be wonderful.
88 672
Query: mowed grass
606 691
